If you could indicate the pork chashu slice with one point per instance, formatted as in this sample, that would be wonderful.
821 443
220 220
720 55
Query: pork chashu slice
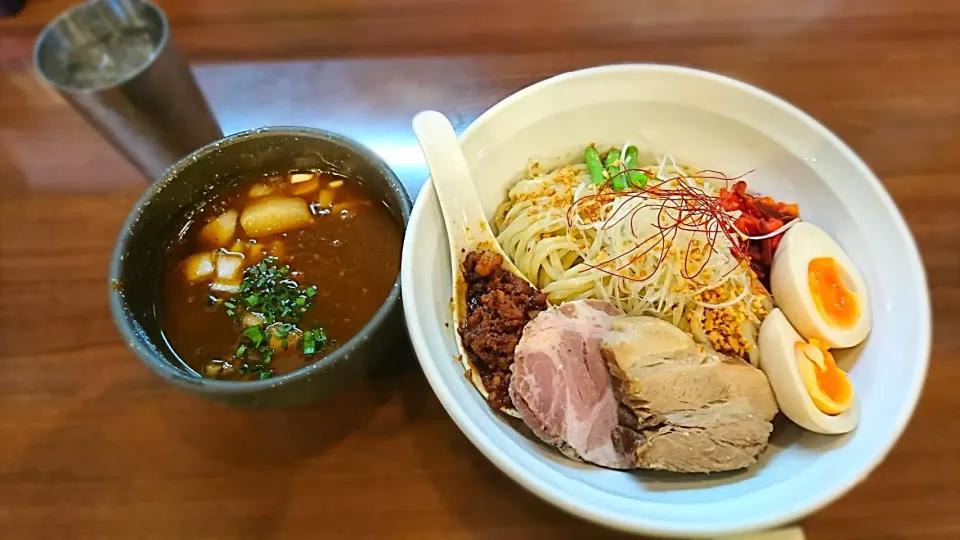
561 388
695 410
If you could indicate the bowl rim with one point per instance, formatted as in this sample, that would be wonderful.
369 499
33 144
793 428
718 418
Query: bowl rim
646 525
128 326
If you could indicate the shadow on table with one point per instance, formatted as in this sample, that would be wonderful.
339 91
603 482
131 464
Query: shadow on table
277 443
130 441
484 500
291 434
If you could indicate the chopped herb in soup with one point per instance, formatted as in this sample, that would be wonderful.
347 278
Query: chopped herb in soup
278 273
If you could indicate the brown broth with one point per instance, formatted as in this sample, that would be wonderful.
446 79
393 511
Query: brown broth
350 252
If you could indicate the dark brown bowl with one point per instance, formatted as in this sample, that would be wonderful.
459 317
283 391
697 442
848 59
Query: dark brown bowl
138 258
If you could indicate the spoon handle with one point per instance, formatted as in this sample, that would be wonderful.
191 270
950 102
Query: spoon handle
466 222
467 226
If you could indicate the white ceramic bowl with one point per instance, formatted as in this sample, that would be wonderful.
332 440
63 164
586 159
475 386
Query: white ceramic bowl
712 122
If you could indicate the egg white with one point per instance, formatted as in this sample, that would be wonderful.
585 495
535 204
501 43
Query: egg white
777 343
791 290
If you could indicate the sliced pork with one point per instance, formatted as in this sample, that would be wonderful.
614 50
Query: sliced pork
562 389
693 410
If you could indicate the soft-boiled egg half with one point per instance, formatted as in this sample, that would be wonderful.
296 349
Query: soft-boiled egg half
810 389
819 289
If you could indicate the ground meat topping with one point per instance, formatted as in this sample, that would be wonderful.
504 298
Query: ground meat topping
499 305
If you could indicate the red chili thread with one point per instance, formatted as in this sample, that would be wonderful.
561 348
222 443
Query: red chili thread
680 207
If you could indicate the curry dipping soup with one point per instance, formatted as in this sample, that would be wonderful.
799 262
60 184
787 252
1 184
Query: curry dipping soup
276 273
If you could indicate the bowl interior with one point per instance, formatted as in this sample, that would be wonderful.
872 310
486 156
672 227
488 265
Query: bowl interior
709 122
168 207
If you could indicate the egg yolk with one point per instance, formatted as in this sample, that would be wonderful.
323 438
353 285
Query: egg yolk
828 385
836 303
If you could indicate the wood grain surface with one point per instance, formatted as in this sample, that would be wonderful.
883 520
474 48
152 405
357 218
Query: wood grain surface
93 446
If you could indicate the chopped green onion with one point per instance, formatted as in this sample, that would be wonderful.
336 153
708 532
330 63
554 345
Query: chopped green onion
279 302
321 337
318 340
264 375
255 334
309 342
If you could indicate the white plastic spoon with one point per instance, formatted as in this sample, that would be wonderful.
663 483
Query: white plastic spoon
467 226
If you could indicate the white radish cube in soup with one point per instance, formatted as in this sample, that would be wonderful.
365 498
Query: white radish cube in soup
275 215
199 267
325 199
220 231
251 319
298 178
229 272
260 190
306 187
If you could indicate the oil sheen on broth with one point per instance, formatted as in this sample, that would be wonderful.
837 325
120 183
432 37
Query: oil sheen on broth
278 273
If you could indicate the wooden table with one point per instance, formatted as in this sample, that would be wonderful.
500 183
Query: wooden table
93 446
